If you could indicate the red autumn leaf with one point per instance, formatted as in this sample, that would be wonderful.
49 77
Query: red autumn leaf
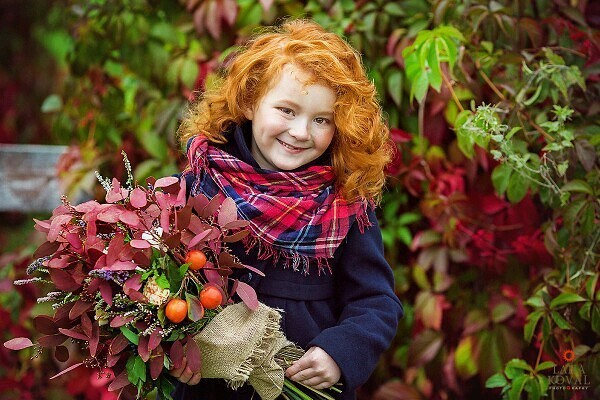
227 212
138 198
176 354
117 243
181 195
157 362
46 249
140 244
87 207
165 181
213 205
239 223
193 355
79 308
64 371
155 339
100 262
61 353
42 226
18 343
182 217
165 217
236 237
116 194
118 344
133 283
112 360
45 324
195 308
73 334
211 275
75 242
173 241
59 262
226 260
106 292
248 295
198 238
198 202
110 214
137 296
52 340
94 339
143 351
86 325
56 226
424 347
63 280
120 382
130 218
121 266
255 270
119 321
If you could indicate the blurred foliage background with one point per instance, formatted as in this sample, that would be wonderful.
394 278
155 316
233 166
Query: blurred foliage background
491 216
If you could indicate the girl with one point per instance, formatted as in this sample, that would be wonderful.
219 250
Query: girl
295 136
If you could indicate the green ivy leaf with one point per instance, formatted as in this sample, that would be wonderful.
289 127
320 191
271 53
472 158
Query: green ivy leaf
518 185
578 185
565 298
532 321
394 86
560 321
464 359
435 72
519 364
501 178
496 380
52 103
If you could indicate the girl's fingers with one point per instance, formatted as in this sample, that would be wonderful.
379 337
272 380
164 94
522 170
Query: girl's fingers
195 379
304 375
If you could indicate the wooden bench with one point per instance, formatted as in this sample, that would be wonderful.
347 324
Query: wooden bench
28 181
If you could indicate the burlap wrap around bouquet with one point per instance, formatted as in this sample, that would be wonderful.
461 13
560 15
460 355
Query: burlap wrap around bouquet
240 345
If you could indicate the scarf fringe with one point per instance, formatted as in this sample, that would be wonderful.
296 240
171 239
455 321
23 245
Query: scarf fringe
296 261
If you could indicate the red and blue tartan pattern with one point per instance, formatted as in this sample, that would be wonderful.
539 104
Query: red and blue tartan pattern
298 215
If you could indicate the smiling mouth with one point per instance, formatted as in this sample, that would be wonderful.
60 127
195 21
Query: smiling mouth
290 147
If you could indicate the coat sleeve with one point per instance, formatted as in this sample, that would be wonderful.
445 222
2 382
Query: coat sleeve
370 310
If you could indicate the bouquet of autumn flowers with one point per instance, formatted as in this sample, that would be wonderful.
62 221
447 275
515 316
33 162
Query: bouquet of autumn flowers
146 278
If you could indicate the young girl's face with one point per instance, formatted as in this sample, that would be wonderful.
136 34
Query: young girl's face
292 124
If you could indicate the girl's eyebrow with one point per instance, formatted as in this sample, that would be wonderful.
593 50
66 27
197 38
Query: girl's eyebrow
293 104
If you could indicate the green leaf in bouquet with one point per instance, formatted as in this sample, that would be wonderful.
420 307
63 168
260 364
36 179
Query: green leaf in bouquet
129 334
163 282
136 370
175 275
165 388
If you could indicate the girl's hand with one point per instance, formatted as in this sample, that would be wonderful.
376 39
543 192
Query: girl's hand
184 374
315 368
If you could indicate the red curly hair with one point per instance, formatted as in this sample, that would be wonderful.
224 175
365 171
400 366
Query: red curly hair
360 148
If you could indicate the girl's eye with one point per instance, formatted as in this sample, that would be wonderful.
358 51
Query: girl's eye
321 121
287 111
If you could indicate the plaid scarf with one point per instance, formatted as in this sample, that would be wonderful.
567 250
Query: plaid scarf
297 216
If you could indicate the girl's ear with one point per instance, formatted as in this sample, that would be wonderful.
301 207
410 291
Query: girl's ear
248 113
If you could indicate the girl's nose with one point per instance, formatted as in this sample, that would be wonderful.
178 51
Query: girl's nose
299 130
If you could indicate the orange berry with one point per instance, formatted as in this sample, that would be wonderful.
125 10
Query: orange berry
211 297
176 310
196 259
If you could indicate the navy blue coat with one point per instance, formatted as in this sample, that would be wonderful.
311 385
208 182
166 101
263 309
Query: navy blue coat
352 314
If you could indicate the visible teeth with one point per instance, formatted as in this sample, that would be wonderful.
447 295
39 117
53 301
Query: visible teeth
289 146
